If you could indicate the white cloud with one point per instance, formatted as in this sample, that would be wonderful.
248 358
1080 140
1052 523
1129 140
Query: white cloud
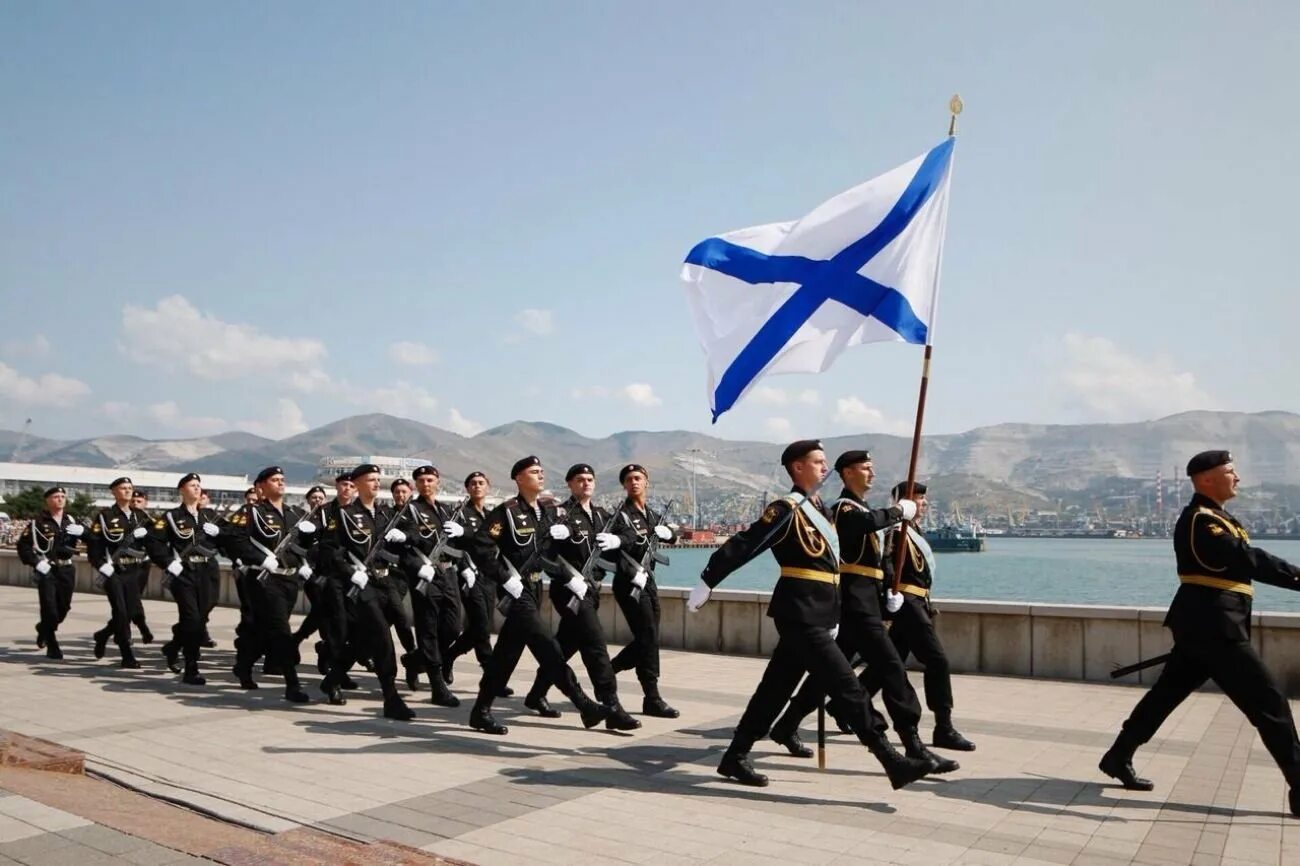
595 392
809 397
1115 385
541 322
765 395
33 348
115 409
48 389
852 413
412 354
640 394
287 420
209 347
401 398
778 426
310 381
168 414
462 425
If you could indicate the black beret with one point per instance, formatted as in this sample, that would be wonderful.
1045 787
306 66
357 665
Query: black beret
316 489
53 490
268 472
525 463
797 450
1207 460
186 479
629 469
900 489
399 482
118 481
851 458
578 469
364 469
426 470
346 475
475 474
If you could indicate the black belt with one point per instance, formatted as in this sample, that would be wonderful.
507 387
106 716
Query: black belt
198 559
131 560
60 562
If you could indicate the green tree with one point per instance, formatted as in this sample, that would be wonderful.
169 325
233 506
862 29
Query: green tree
26 504
81 506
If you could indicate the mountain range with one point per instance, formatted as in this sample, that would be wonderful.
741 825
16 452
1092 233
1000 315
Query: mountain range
1013 464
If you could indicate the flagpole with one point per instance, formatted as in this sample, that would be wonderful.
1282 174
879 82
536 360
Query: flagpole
954 109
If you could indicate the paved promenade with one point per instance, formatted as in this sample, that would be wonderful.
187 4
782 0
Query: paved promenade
552 792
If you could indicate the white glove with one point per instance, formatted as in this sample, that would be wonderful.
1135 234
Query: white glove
212 530
608 541
909 508
577 586
107 569
305 572
360 579
560 532
174 568
270 563
426 572
835 631
699 595
75 530
395 535
893 600
43 566
452 529
664 533
140 532
639 579
470 576
306 527
514 586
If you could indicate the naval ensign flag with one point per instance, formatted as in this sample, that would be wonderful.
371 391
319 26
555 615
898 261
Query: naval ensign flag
789 297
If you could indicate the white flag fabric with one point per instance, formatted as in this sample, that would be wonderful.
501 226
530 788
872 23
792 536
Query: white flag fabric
790 297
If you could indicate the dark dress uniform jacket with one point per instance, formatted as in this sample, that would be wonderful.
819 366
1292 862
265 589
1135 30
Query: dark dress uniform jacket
636 529
176 534
265 524
46 538
807 591
113 530
473 521
350 539
514 530
422 524
1213 552
862 570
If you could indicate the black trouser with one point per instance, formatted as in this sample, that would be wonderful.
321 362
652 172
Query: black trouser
142 589
210 601
437 622
272 604
804 648
862 631
642 652
123 593
477 633
331 596
913 632
191 592
370 635
1237 669
311 622
397 614
54 591
523 627
250 642
580 631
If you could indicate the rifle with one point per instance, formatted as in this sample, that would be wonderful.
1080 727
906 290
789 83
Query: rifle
652 553
593 562
376 552
548 565
1139 666
289 542
441 546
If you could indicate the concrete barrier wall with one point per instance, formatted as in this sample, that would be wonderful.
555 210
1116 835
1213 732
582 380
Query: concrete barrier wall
1056 641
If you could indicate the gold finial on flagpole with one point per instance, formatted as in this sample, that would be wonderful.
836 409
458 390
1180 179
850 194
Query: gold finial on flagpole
954 107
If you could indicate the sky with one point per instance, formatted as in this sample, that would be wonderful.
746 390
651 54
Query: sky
266 217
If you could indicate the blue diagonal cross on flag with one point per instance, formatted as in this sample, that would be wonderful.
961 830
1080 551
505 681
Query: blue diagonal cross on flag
789 297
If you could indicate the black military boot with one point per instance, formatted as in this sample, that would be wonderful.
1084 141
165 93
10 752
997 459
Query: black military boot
480 719
396 708
592 712
914 748
1118 764
128 659
657 707
540 705
52 650
735 765
945 736
900 769
786 734
322 658
245 677
101 643
40 637
333 694
293 692
146 636
442 695
618 719
412 669
171 652
192 676
448 675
